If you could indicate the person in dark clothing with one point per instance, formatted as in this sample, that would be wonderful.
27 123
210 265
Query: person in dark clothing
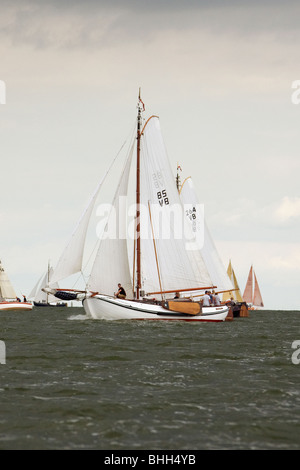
121 294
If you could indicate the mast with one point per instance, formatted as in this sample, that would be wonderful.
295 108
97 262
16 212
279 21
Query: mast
138 198
177 180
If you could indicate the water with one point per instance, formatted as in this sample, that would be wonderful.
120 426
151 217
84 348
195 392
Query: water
72 383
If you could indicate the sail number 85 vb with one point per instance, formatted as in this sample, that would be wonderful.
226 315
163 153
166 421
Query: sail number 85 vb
162 197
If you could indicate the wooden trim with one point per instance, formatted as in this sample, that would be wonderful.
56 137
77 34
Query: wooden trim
183 184
182 290
153 116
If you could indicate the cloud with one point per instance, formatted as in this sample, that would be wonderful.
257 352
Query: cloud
288 209
250 219
94 23
276 264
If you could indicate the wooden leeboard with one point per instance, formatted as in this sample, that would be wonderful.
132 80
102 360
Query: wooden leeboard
190 308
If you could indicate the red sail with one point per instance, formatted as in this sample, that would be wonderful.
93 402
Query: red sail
247 296
257 298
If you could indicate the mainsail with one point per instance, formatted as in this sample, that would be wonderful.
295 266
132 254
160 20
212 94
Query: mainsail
166 257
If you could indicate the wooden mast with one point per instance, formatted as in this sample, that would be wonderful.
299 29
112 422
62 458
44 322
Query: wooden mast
138 200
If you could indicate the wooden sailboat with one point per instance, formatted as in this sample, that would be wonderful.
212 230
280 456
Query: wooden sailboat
252 294
8 297
161 265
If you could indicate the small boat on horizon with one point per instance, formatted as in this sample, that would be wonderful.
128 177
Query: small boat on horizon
41 298
234 298
252 294
8 296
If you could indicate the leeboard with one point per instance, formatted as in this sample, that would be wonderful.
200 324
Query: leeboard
190 308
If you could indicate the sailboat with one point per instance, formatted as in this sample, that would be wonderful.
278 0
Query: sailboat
234 297
41 298
235 293
160 260
8 297
252 294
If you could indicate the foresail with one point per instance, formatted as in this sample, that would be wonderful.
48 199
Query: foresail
195 215
257 298
41 296
71 259
111 264
45 281
36 288
166 237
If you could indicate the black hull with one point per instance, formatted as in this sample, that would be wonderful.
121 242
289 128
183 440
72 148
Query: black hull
45 304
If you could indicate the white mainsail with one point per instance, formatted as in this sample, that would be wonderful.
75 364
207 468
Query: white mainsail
6 289
168 233
203 237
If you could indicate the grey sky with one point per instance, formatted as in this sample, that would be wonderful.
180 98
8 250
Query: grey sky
219 75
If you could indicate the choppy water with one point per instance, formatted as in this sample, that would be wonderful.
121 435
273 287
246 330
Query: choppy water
72 383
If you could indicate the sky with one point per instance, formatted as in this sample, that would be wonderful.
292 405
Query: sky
221 75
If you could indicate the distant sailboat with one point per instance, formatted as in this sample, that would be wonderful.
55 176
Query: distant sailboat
234 297
252 294
235 293
41 298
8 297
